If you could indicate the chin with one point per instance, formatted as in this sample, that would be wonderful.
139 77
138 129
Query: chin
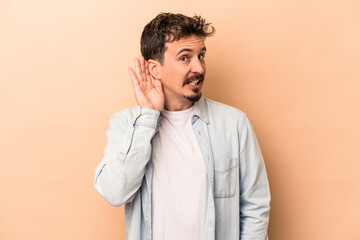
194 98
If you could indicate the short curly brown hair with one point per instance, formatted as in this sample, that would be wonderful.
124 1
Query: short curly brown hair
169 27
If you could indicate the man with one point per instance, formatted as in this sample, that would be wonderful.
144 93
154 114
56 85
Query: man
186 167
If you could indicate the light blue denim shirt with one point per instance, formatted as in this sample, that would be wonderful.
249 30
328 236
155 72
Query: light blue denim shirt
238 194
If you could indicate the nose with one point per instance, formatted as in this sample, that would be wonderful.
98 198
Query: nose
198 66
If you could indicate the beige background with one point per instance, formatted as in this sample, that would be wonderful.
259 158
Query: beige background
292 66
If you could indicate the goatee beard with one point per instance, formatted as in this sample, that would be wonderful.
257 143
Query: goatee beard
194 98
197 92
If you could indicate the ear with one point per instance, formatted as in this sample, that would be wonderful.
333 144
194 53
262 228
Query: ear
154 69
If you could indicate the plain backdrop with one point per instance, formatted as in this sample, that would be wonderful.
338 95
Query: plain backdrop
292 66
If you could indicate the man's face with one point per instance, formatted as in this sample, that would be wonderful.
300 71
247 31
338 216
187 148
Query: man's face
183 71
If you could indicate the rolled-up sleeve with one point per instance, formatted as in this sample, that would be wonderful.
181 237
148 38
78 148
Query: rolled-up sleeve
119 175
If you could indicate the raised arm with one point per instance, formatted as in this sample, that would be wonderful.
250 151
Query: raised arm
120 174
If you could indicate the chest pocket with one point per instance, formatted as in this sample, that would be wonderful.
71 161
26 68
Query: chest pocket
225 177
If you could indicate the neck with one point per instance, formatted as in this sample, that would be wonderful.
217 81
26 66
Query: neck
178 106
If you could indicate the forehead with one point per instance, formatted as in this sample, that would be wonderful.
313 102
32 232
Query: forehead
192 42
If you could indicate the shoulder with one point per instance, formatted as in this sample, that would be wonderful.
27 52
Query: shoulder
222 110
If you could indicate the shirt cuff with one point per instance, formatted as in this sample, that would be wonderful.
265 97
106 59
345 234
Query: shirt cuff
148 117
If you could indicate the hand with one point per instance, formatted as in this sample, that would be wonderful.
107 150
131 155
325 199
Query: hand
147 93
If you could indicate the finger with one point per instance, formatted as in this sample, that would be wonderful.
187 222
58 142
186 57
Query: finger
143 68
134 79
138 70
146 68
147 71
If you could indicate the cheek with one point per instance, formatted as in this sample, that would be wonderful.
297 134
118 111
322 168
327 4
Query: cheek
179 74
174 76
204 66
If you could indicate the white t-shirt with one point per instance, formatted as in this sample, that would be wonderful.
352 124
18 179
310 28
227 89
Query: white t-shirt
179 179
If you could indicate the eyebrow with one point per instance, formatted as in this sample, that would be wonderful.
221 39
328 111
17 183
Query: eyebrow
190 50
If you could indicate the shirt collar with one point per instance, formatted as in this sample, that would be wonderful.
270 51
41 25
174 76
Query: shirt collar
200 110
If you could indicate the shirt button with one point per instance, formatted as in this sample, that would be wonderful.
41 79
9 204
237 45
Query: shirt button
205 118
146 219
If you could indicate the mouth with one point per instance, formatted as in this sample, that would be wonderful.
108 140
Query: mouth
195 84
194 81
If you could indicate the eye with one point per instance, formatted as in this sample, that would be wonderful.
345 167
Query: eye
201 56
184 58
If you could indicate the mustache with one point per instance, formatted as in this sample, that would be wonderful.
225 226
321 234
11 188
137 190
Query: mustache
197 76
